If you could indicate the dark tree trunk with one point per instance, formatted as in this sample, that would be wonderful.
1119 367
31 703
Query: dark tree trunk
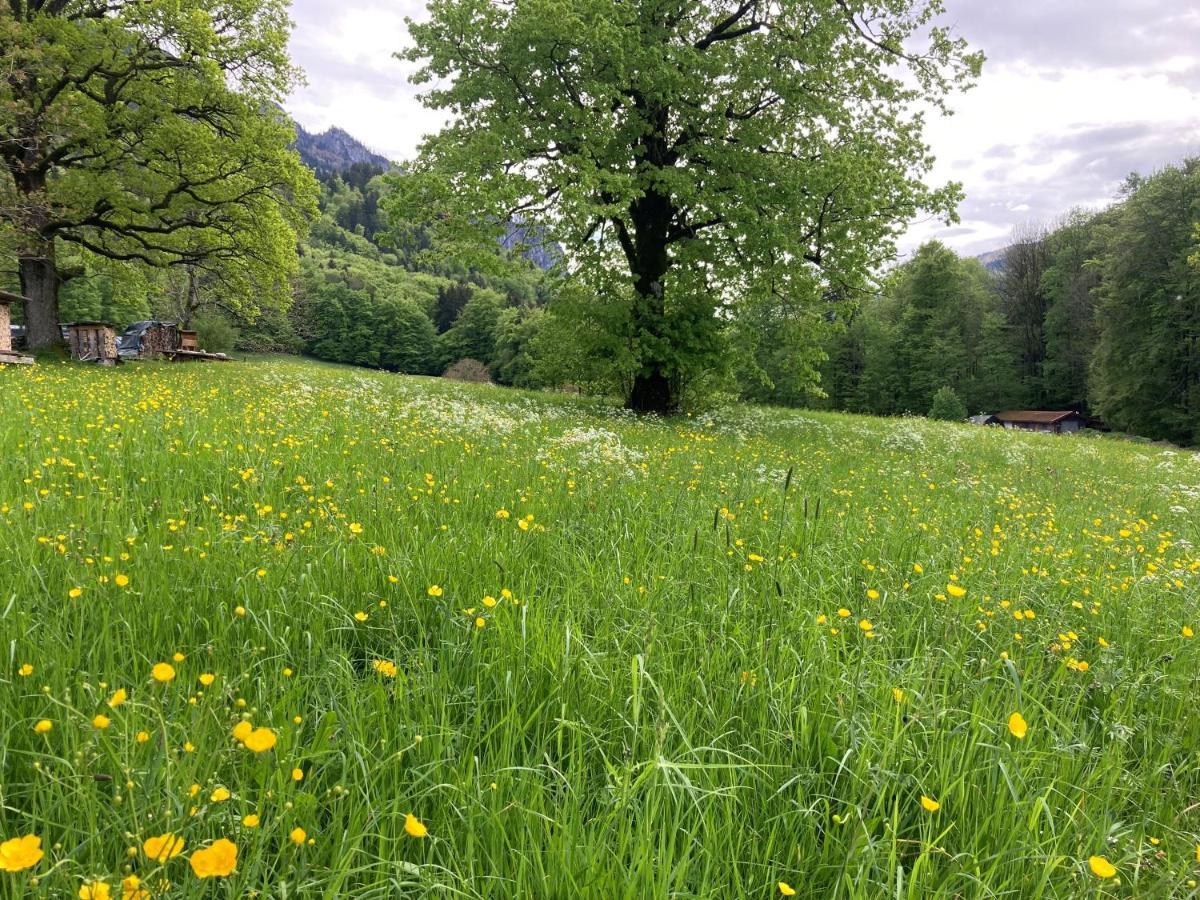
36 265
654 390
39 284
652 393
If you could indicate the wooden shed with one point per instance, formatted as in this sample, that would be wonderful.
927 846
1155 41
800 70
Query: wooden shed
1052 421
7 355
93 342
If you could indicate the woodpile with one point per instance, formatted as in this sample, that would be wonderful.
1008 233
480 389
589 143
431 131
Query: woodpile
160 339
7 355
93 342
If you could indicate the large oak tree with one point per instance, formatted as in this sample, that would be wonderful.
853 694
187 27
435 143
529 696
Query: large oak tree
694 156
148 132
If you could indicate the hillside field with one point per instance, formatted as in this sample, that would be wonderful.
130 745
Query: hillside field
281 629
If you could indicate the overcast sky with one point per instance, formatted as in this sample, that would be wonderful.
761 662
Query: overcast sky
1075 95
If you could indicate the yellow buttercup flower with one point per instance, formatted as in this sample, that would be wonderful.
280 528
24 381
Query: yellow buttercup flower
95 890
297 836
131 889
121 581
929 804
19 853
955 590
1017 725
42 726
786 889
251 820
414 827
101 721
162 672
242 730
207 678
164 847
1101 867
260 740
118 697
434 591
220 795
217 860
385 667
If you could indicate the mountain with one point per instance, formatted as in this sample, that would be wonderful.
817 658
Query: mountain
539 250
335 151
993 260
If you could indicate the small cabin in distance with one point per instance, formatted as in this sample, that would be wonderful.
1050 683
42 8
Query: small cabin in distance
1048 421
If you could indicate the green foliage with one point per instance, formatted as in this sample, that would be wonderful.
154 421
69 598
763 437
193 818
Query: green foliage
688 163
939 322
1069 284
1146 370
137 131
514 360
215 333
408 338
473 335
451 299
102 291
947 406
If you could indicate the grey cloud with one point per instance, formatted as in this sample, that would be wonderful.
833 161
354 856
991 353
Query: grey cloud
1090 33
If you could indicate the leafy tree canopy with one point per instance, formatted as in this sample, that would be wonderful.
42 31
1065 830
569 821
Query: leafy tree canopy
695 157
146 132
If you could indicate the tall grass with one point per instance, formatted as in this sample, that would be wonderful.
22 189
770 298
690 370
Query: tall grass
663 701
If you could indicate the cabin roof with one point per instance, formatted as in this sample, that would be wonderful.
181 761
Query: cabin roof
1039 416
9 297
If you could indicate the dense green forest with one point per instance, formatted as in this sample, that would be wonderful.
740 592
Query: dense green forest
1100 313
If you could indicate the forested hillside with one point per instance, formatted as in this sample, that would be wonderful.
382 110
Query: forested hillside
1098 312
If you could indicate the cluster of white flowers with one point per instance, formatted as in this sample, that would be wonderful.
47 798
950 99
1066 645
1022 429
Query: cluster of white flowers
592 448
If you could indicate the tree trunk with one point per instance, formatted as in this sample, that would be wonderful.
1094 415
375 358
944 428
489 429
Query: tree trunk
652 392
653 388
39 284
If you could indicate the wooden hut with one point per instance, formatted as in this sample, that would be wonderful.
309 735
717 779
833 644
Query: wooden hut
1052 421
93 342
7 355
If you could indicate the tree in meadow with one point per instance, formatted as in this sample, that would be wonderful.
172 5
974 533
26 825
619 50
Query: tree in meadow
695 157
147 132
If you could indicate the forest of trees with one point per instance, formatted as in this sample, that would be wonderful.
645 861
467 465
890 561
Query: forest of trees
1099 312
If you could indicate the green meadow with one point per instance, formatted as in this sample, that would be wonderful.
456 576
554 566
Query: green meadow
280 629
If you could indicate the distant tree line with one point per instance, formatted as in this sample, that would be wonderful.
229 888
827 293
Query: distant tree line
1100 312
